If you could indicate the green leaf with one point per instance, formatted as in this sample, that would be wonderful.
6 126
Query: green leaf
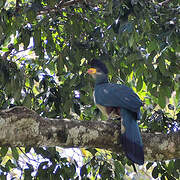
2 2
3 177
67 106
176 174
27 174
51 3
1 32
105 170
25 38
42 172
10 165
177 164
161 100
129 27
15 153
162 97
119 170
149 165
3 151
171 166
155 172
92 151
139 83
153 91
31 14
27 101
83 171
37 41
162 66
167 91
60 64
76 107
70 171
5 49
153 45
131 40
27 149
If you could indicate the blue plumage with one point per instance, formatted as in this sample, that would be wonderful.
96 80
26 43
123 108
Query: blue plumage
131 138
115 95
120 100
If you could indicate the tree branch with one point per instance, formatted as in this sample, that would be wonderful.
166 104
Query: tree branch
61 5
20 126
69 3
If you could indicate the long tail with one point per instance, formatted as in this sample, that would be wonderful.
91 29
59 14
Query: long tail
131 139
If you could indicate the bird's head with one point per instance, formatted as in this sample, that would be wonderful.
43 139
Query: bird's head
98 71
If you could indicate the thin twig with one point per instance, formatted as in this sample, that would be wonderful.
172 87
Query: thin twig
164 2
17 6
60 6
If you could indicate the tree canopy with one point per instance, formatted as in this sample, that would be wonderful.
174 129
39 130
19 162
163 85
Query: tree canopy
45 50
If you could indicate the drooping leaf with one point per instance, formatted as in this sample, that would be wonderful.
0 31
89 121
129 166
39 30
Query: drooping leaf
31 14
155 172
139 83
153 45
3 151
15 153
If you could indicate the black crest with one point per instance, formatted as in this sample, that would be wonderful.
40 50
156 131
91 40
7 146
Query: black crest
99 64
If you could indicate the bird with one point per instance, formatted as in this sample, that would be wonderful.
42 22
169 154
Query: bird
119 101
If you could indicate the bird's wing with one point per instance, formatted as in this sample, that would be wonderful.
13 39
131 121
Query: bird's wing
116 95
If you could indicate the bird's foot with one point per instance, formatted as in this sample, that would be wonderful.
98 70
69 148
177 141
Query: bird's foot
111 120
114 119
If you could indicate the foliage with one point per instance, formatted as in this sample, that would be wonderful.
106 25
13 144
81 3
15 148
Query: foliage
45 48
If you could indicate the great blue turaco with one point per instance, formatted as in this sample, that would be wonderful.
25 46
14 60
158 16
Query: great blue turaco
115 100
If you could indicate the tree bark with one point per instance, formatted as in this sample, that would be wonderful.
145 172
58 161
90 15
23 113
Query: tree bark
20 126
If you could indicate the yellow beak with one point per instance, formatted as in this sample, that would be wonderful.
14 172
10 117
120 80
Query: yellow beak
91 71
